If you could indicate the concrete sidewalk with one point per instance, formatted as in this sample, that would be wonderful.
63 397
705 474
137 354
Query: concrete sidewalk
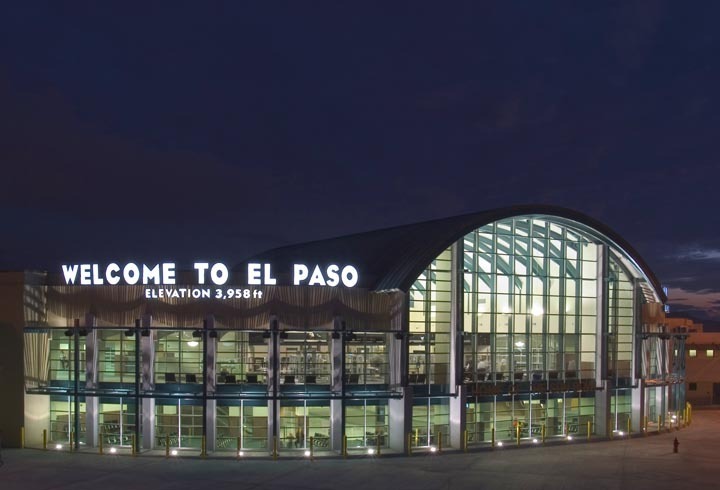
637 464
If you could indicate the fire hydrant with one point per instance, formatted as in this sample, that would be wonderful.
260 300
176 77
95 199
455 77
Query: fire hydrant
675 445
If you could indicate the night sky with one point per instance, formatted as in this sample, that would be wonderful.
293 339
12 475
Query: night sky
153 131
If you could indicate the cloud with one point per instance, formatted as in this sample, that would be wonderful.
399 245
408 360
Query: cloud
706 303
698 253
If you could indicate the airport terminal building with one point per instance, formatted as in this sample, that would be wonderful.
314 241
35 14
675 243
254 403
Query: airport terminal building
506 325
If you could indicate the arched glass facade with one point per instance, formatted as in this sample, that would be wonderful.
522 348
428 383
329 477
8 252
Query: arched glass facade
528 327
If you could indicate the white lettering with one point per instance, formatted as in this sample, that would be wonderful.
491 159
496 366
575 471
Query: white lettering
349 276
70 273
219 274
317 277
300 273
334 278
131 274
254 274
269 279
112 279
201 268
85 274
151 274
96 275
168 272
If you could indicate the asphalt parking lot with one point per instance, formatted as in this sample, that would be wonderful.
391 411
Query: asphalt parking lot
638 463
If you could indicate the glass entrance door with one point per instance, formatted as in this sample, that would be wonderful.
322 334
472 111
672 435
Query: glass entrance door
300 420
117 421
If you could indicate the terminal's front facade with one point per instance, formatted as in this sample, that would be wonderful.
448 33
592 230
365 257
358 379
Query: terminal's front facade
509 325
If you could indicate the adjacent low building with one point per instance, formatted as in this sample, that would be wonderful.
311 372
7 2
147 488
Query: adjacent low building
509 324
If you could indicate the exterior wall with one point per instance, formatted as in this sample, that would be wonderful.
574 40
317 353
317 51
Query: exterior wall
522 328
12 322
702 371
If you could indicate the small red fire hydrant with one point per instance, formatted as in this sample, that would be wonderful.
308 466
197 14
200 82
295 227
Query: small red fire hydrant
675 445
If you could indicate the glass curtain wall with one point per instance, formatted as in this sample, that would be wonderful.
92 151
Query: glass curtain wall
178 357
366 423
116 357
430 422
179 422
304 359
62 421
116 421
529 319
301 419
429 355
242 357
366 359
246 420
62 357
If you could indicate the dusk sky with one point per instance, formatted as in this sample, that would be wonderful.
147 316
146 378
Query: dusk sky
151 131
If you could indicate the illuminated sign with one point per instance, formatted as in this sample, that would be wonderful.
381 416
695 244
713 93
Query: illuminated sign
218 274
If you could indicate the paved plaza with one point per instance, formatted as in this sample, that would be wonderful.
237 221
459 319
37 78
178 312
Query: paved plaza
637 464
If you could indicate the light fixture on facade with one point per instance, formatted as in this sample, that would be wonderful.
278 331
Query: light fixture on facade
433 449
192 343
58 446
371 451
499 443
174 452
113 450
307 453
241 454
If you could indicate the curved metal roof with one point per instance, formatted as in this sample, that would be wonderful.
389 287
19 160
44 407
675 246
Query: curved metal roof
393 258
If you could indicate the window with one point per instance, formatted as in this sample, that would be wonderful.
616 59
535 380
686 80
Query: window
692 386
692 353
710 353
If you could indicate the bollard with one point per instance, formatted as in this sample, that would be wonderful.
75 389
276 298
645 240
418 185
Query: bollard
646 425
312 447
543 432
344 446
72 447
133 447
239 446
417 437
629 427
676 443
22 437
492 433
465 441
517 433
439 442
567 430
203 447
275 448
44 439
589 431
658 423
409 444
377 444
100 443
167 445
